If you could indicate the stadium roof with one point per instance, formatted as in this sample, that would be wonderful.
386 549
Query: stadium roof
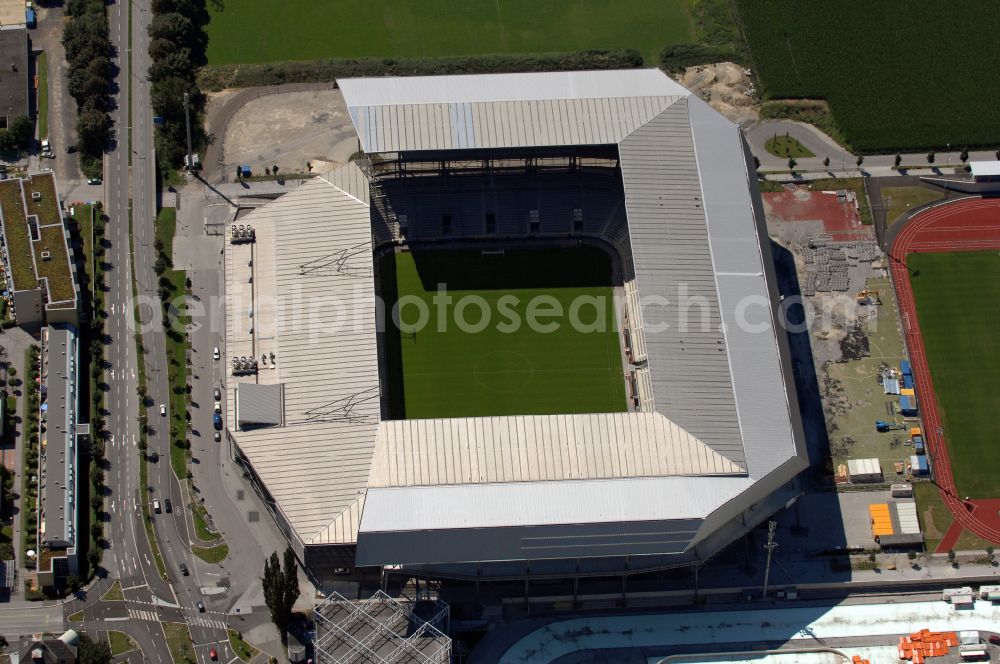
725 413
983 168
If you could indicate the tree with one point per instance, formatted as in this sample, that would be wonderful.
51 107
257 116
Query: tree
964 156
22 130
91 652
161 48
930 157
756 164
94 129
792 163
860 160
173 27
989 553
274 169
281 589
899 160
826 162
951 556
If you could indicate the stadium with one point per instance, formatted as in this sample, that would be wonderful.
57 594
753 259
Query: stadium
531 332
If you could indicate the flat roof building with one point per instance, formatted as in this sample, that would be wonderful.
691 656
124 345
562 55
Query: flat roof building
14 50
37 256
710 446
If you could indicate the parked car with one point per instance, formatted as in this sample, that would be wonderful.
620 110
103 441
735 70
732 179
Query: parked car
215 353
218 406
70 149
213 655
200 605
168 507
163 409
183 568
156 506
217 421
95 181
217 394
218 436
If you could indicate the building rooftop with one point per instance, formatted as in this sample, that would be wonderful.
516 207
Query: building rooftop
36 237
60 492
720 407
13 61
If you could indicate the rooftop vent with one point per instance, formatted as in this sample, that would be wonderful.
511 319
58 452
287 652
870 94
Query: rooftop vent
46 256
36 195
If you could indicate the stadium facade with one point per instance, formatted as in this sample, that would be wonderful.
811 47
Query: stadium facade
630 161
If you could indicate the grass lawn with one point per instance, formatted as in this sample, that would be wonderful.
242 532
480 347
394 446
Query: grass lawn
243 650
898 200
199 514
875 63
177 345
786 146
120 643
41 67
267 31
211 554
956 296
114 594
499 366
76 617
179 642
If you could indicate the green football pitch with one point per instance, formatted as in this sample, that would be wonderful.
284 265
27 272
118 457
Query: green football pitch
956 296
250 31
462 362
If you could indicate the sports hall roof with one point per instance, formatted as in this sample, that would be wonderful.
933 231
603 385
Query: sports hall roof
724 417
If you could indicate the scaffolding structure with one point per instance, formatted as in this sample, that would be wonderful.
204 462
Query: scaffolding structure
383 630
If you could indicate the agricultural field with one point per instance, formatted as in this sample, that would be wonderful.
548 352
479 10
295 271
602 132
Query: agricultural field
898 75
253 31
470 360
956 295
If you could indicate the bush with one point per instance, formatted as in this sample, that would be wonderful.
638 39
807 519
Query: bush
315 71
675 59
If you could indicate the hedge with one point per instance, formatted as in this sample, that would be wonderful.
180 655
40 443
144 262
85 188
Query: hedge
218 77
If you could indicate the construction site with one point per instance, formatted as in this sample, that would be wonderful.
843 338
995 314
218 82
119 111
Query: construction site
869 411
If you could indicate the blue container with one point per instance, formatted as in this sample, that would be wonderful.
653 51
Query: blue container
29 18
908 381
904 368
908 406
245 170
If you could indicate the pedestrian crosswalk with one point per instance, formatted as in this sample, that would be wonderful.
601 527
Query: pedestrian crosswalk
143 614
204 621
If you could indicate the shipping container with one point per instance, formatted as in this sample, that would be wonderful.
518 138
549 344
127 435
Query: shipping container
908 382
905 369
902 490
864 470
918 465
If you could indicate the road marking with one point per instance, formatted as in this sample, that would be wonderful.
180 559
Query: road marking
121 619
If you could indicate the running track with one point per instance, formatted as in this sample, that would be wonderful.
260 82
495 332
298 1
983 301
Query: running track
965 225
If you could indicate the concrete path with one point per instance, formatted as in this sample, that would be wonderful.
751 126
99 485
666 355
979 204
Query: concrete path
823 146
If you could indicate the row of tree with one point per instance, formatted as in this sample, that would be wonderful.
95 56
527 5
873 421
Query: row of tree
177 49
18 135
88 51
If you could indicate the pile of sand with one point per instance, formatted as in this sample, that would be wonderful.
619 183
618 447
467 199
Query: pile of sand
726 86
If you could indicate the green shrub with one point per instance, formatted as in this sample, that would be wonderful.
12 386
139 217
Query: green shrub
317 71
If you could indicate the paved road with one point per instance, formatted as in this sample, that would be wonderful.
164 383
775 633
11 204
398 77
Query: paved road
823 146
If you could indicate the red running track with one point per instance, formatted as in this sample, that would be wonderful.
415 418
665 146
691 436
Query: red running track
968 224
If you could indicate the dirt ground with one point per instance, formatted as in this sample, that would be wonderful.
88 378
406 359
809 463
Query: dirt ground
289 130
726 86
850 342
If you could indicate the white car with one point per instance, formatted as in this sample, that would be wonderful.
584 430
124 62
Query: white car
218 406
163 410
215 353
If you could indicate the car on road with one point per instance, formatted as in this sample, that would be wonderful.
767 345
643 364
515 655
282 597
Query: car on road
341 571
217 421
168 507
217 394
213 655
200 605
70 149
95 181
218 406
163 409
156 506
215 353
218 436
183 568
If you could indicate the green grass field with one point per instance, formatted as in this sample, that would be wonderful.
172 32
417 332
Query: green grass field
897 74
251 31
505 368
956 296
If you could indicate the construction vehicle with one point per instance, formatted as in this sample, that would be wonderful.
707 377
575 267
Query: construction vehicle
868 296
882 427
